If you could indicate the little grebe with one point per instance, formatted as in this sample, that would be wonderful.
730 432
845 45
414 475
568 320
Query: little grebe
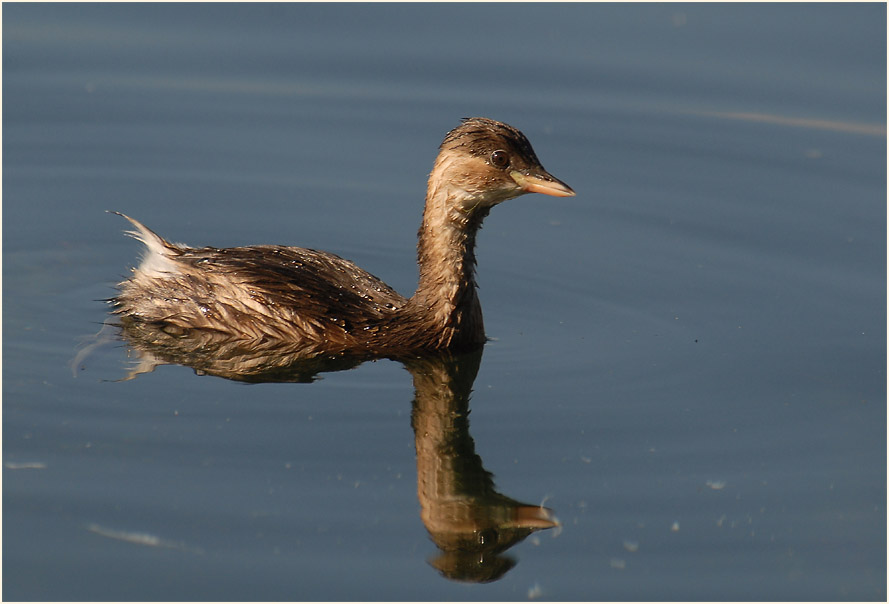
268 293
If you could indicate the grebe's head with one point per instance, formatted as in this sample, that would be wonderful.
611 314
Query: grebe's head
483 162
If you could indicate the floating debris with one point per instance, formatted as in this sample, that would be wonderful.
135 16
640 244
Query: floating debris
24 465
535 591
630 545
618 563
675 527
716 484
136 538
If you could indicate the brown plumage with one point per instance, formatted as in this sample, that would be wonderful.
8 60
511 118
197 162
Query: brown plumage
275 293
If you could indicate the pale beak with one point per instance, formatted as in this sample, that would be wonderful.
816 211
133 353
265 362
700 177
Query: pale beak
542 182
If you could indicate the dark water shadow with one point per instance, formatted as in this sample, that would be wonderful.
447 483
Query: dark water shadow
472 524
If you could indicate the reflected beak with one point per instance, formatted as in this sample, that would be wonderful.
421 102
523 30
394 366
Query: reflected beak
542 182
535 517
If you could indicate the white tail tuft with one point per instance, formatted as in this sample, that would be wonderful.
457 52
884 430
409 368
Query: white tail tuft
159 257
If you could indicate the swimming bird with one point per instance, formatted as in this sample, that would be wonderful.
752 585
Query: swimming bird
324 303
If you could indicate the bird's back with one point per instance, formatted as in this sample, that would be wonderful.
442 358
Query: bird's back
259 292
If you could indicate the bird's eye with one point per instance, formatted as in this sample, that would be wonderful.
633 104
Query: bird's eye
499 159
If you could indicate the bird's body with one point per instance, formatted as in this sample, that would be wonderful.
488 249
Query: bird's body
276 293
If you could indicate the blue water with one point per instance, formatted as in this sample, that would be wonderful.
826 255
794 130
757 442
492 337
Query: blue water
688 358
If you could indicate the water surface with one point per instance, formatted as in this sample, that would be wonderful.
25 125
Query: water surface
688 359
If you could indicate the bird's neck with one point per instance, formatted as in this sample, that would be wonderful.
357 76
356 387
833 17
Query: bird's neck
446 295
